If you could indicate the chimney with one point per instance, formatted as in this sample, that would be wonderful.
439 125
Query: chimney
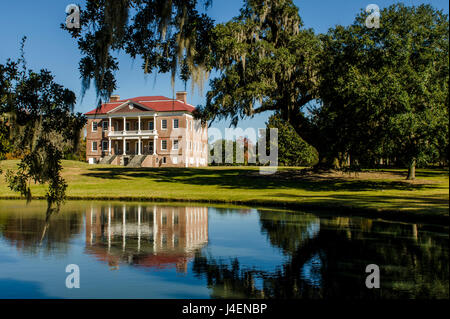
114 98
182 96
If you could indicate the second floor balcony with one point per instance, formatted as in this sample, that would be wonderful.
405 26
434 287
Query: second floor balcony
132 133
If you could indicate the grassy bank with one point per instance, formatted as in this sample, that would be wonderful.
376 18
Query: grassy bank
385 193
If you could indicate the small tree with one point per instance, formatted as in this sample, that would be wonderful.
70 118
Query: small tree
292 149
37 109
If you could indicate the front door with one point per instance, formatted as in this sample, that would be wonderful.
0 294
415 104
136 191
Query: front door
150 147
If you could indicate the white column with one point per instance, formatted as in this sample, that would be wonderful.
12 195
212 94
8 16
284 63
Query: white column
124 146
109 146
139 228
154 228
92 226
139 124
124 125
124 230
139 146
110 124
155 140
109 228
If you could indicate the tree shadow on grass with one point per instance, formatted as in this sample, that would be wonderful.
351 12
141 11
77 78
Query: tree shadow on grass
423 203
238 178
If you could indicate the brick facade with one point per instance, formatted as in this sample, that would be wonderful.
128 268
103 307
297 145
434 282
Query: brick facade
168 134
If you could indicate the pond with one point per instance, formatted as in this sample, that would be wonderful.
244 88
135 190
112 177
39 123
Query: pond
157 250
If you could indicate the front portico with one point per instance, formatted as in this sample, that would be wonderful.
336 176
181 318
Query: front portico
131 130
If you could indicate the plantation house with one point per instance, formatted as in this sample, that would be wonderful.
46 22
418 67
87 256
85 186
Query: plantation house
146 131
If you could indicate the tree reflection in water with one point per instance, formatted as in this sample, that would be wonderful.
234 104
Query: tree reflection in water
327 258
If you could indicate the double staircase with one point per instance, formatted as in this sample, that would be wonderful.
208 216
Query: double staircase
107 159
125 160
136 161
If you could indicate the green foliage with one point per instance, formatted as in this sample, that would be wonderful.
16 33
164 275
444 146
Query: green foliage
75 154
5 144
267 61
170 36
40 117
292 149
385 90
230 158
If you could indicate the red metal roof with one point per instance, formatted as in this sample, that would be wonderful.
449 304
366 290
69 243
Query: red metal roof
157 103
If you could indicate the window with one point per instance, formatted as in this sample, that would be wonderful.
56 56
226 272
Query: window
175 160
127 126
175 144
175 123
94 126
164 124
150 125
105 125
164 160
94 146
104 145
163 144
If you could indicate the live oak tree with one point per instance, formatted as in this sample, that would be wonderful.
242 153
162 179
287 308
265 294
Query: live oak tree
169 36
266 61
385 90
36 113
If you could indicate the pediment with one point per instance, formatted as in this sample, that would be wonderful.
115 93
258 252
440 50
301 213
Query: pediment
130 107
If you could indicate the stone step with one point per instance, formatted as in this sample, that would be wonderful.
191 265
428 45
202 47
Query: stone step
107 159
136 161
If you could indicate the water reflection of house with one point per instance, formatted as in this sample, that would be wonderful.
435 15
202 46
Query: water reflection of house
148 236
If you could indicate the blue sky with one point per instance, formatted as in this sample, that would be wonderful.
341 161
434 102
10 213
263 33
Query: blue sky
52 48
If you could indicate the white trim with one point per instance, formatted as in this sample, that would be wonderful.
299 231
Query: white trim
163 149
124 103
173 145
173 123
136 114
130 103
96 127
162 128
92 146
103 125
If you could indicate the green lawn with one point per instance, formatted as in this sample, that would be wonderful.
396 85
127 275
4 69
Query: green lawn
377 192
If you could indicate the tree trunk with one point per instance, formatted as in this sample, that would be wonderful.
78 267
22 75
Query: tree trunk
412 170
326 162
